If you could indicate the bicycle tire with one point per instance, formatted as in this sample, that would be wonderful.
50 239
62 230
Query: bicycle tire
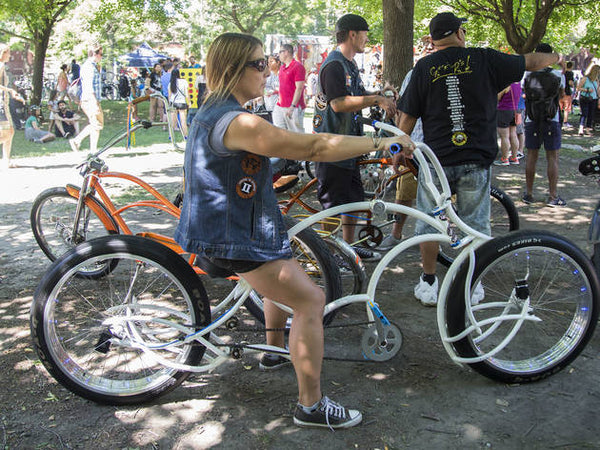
352 270
504 217
309 168
563 289
80 328
313 255
51 220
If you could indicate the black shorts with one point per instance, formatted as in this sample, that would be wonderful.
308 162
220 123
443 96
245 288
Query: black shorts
505 118
180 106
338 186
236 265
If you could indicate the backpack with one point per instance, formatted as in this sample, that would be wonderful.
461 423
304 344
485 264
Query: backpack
541 95
124 88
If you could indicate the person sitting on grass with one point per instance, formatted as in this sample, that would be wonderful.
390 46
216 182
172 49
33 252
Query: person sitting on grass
66 121
33 132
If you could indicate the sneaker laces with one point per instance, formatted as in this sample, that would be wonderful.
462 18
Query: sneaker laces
333 409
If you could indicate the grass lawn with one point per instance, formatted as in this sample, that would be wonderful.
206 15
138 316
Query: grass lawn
115 118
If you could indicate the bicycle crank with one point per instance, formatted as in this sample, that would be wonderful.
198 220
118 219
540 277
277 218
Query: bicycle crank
381 347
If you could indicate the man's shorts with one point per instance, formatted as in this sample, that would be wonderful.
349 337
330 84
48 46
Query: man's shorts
338 186
566 103
406 187
547 133
471 185
505 118
93 111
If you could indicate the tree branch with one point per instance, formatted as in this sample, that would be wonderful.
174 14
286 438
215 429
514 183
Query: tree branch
10 33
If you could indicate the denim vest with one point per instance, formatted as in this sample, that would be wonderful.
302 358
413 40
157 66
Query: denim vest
229 207
325 119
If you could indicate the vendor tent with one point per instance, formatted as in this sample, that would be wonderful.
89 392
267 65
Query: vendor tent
143 56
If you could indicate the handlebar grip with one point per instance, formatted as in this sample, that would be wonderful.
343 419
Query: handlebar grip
363 120
395 148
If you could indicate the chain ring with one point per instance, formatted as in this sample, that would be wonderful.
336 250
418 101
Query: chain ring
370 236
371 343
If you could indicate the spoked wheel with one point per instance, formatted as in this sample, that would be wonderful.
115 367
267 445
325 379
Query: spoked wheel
503 218
52 220
119 339
537 275
314 256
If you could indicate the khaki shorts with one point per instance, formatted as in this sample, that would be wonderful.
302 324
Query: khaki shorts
93 111
406 186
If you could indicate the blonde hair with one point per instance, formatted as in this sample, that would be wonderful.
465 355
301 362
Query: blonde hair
3 49
225 63
592 72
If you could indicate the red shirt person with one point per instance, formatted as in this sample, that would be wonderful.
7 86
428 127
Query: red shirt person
289 110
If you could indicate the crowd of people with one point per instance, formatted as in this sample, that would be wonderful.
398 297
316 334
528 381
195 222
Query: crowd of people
457 99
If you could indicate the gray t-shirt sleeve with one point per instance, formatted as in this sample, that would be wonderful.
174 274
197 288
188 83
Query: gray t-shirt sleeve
215 139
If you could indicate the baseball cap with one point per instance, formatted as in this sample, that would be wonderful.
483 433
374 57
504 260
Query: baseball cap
543 47
444 24
351 22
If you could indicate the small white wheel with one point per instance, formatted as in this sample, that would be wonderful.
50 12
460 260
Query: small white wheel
381 348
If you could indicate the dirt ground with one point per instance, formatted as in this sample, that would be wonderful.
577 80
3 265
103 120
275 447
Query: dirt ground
419 399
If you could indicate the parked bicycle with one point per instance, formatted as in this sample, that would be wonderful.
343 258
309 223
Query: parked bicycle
146 324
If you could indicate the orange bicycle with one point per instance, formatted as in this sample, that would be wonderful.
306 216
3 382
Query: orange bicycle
63 217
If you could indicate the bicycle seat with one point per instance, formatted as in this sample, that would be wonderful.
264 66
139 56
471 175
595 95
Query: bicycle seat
590 166
212 269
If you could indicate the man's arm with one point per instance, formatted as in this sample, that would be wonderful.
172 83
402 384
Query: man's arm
351 103
537 61
298 92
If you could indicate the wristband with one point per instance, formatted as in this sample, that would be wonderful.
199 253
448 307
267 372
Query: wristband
294 106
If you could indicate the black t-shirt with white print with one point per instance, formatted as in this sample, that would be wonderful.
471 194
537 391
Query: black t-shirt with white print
454 91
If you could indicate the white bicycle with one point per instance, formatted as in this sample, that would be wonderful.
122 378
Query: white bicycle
142 328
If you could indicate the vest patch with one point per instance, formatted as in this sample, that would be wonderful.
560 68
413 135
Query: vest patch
251 164
246 187
317 120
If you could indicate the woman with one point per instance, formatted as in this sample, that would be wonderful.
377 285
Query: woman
7 131
33 132
588 97
230 214
154 86
178 88
272 84
508 102
62 83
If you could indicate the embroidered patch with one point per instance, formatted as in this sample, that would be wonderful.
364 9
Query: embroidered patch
246 187
459 138
317 120
251 164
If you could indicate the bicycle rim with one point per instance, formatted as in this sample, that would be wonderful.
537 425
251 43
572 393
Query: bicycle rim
102 354
562 291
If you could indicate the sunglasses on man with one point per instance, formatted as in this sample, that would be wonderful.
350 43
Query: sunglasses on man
258 64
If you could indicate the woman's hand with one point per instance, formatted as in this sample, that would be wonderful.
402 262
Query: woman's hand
407 147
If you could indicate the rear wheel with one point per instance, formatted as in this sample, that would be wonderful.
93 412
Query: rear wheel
119 339
532 274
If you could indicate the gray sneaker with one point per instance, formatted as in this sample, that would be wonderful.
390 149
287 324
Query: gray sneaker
328 414
388 243
365 254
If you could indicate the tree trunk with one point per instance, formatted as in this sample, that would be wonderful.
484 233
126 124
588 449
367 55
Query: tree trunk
40 45
397 39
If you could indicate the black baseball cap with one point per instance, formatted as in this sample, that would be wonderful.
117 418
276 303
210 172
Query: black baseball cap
543 47
444 24
351 22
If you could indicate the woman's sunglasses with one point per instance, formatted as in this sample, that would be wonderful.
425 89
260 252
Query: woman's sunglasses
258 64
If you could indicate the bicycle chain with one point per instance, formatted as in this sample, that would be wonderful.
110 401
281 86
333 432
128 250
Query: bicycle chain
243 345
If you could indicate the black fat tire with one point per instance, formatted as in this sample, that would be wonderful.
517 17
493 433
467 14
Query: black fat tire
308 248
503 211
66 307
563 288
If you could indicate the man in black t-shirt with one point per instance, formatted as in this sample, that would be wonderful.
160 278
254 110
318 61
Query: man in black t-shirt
341 95
454 92
66 122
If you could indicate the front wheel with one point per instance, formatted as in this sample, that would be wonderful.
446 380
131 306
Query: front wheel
52 220
119 339
539 287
